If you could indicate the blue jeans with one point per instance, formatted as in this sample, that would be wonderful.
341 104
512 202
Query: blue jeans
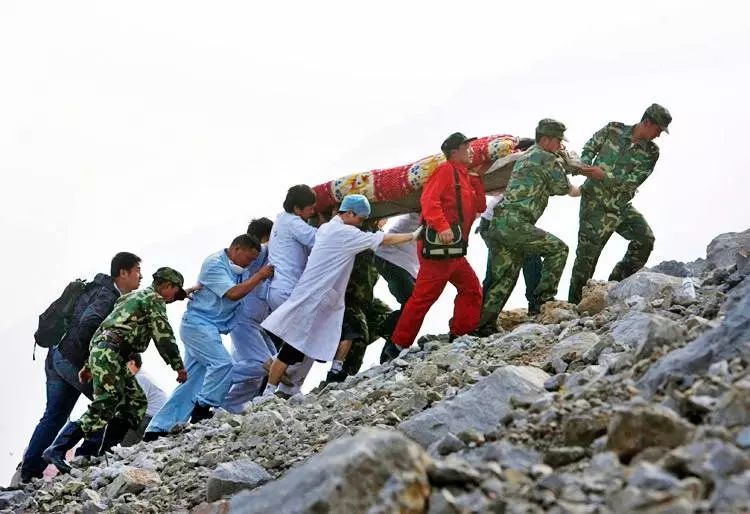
251 347
63 390
209 369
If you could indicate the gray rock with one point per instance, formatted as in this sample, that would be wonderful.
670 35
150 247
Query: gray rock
480 408
634 428
573 348
644 332
733 408
583 429
509 456
442 501
11 498
555 382
230 477
646 284
731 494
673 268
348 476
726 342
648 476
452 472
726 249
710 459
133 480
450 444
563 455
743 438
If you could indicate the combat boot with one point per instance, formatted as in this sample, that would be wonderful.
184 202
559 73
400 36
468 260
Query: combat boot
200 412
68 437
113 434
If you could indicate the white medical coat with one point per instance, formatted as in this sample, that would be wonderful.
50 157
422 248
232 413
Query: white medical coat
310 320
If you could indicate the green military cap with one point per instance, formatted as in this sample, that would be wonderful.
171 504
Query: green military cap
174 276
551 128
659 115
454 141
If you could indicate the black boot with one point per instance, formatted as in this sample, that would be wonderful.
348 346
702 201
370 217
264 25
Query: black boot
68 437
200 412
390 351
113 434
336 376
153 436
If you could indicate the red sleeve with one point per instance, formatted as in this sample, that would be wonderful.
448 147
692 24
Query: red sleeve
432 209
480 200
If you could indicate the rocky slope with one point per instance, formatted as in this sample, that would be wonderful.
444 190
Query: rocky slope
636 400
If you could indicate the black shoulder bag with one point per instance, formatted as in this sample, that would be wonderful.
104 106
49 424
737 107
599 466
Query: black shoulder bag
432 247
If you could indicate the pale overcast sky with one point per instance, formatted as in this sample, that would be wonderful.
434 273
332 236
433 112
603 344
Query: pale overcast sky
161 127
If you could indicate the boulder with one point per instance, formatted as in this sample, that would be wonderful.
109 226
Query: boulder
731 494
480 408
572 348
556 312
583 429
11 498
634 428
648 285
710 459
672 268
733 408
594 297
727 341
376 467
727 249
645 331
132 480
508 320
649 476
230 477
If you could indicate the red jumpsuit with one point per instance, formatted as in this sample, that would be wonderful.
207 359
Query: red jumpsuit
439 211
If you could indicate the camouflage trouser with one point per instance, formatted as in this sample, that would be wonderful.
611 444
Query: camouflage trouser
597 224
366 321
116 392
511 240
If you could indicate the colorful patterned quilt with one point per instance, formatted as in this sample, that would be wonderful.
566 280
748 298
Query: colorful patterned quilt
396 190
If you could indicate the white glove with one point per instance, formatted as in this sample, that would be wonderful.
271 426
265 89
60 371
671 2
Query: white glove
415 235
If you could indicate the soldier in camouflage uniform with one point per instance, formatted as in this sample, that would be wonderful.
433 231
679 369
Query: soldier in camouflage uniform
119 403
627 155
512 235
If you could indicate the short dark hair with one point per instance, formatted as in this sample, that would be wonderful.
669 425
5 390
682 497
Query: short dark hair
299 196
260 228
136 357
246 242
123 261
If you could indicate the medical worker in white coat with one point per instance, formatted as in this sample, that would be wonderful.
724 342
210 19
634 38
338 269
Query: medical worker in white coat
309 322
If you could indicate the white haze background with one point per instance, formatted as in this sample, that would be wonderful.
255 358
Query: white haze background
162 127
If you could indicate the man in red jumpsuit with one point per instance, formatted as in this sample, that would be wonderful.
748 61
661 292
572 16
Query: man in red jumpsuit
439 211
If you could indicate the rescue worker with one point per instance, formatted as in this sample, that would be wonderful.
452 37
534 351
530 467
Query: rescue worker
310 321
439 203
627 155
512 234
119 403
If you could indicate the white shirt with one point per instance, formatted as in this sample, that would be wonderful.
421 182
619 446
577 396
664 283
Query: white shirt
492 202
404 256
290 244
155 396
310 320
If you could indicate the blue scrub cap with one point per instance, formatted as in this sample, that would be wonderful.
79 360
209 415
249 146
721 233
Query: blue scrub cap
358 204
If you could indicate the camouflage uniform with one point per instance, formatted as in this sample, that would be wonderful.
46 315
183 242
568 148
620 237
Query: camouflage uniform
364 314
512 235
137 318
605 204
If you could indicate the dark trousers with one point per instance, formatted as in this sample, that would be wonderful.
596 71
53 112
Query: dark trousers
400 284
63 390
532 269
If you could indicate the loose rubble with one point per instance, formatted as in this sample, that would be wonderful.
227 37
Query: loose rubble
635 400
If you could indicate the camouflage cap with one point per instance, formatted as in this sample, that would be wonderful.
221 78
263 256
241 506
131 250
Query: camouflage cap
551 128
174 276
659 115
454 141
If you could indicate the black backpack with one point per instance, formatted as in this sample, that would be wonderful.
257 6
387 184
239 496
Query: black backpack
55 320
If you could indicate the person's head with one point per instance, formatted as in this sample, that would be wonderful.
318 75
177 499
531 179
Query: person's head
300 200
168 284
457 148
550 134
260 228
243 250
134 363
654 121
125 270
354 210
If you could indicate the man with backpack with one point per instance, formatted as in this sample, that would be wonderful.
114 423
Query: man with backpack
89 304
